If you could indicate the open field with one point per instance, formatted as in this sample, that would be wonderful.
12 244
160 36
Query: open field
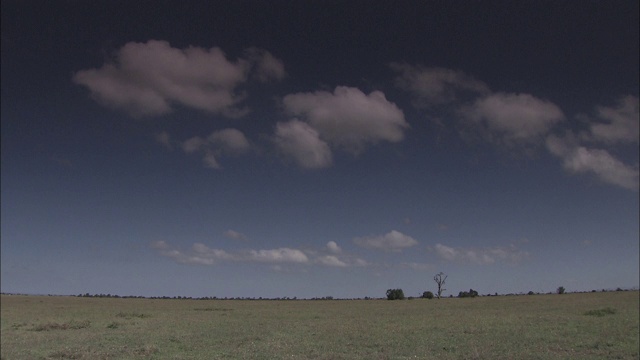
570 326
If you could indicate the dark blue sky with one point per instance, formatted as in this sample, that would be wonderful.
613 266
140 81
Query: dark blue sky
318 148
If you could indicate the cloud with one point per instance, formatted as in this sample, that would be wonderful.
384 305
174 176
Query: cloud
333 247
513 118
621 122
148 79
580 159
331 260
226 141
348 118
433 86
200 254
484 256
300 141
267 67
392 241
281 255
234 235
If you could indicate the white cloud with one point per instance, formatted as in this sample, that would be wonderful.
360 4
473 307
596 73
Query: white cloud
392 241
579 159
193 144
331 260
279 255
147 79
226 141
230 141
432 86
622 122
514 118
302 142
210 161
235 235
348 118
204 255
484 256
333 247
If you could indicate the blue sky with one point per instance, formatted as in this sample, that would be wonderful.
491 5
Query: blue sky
318 148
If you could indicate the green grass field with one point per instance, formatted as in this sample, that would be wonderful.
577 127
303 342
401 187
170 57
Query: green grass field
570 326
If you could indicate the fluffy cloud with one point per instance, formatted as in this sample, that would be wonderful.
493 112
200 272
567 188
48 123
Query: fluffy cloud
514 118
348 118
621 122
392 241
483 256
201 254
302 142
580 159
432 86
333 247
331 260
282 255
226 141
146 79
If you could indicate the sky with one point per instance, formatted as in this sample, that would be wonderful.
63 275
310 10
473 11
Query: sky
318 148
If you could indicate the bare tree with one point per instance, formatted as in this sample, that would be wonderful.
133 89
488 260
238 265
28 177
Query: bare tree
439 279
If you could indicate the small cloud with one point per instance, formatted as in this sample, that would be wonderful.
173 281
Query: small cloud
434 86
348 118
300 141
267 67
193 144
333 247
278 255
331 260
513 119
392 241
229 141
225 141
234 235
580 159
147 79
621 122
482 256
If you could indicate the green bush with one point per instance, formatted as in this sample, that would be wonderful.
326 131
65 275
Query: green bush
427 295
465 294
395 294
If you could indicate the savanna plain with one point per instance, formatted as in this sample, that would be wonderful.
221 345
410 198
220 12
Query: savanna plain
602 325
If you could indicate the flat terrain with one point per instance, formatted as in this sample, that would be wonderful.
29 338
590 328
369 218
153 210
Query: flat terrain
571 326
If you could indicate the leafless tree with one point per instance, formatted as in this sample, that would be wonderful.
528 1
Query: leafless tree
440 278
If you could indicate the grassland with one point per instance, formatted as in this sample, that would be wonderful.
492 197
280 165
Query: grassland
570 326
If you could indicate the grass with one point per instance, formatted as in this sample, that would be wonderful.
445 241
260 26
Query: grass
506 327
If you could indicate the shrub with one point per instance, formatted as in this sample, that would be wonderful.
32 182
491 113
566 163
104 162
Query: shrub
560 290
427 295
465 294
395 294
